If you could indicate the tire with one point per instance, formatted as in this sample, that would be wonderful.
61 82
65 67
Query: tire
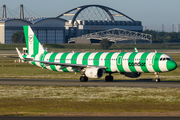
109 78
158 80
83 79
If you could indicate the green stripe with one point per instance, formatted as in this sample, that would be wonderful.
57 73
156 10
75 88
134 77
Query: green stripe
74 58
26 37
131 60
144 56
35 45
120 67
97 58
52 59
108 61
85 58
62 60
156 62
24 56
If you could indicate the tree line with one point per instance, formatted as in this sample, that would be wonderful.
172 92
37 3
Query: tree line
163 37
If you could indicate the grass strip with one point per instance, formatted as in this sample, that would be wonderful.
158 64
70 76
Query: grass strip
84 101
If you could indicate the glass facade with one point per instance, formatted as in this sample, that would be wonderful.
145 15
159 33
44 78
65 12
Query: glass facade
8 34
44 36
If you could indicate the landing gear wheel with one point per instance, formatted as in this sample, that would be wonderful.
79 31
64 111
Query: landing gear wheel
109 78
158 80
83 79
157 77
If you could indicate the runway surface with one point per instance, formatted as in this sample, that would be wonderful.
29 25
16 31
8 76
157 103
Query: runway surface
90 83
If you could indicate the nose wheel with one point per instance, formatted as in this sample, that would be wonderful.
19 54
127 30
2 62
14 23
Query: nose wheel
157 77
158 80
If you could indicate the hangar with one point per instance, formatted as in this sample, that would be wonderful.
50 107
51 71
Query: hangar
74 23
48 30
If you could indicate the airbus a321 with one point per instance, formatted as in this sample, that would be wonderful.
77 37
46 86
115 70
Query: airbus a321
95 64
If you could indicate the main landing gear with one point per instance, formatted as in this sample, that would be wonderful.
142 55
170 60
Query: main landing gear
109 78
157 77
83 79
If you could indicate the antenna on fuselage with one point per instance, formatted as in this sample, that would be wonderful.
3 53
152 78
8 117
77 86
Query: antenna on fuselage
135 49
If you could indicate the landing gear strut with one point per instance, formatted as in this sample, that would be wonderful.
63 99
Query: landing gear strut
83 79
157 77
109 78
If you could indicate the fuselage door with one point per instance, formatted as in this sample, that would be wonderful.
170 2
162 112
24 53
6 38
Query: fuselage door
119 60
151 60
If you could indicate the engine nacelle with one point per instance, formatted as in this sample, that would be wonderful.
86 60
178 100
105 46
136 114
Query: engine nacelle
94 72
132 75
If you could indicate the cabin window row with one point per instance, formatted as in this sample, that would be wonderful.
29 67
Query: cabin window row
104 59
82 59
135 59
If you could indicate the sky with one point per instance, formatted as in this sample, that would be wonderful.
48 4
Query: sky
152 13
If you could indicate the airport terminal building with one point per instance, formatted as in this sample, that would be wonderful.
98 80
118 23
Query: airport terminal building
74 23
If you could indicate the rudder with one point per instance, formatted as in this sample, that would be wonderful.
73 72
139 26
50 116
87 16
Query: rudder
33 45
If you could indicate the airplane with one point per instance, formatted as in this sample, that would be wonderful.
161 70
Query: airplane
95 64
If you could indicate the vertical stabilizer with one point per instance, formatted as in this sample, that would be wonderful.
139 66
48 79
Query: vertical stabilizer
33 45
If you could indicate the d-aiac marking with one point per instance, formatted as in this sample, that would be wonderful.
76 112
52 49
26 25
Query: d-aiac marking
95 64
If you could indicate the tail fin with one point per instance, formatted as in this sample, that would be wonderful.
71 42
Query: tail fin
33 45
135 49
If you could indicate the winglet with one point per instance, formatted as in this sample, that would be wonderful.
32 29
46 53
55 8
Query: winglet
20 55
135 49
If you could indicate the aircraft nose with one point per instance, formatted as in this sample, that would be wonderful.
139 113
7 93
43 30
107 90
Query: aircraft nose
171 65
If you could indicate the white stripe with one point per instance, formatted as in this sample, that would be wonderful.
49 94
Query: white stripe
91 56
68 60
37 57
125 62
113 62
162 64
57 59
103 56
137 57
47 57
29 56
41 49
30 40
149 64
80 57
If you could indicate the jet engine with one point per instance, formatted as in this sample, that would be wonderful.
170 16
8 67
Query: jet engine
94 72
132 75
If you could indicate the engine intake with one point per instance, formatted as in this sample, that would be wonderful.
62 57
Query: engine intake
94 72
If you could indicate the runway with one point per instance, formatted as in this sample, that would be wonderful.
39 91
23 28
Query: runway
91 83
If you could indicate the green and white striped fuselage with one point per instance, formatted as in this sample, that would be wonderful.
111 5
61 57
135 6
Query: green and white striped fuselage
123 62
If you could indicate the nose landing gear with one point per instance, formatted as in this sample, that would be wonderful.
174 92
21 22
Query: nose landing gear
157 77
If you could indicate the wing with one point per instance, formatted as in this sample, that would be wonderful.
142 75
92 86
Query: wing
75 66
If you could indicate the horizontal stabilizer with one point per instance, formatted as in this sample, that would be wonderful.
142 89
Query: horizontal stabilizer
20 55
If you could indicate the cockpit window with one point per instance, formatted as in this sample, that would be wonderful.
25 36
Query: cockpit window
163 59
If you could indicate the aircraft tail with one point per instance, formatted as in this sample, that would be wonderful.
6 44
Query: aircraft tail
33 45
